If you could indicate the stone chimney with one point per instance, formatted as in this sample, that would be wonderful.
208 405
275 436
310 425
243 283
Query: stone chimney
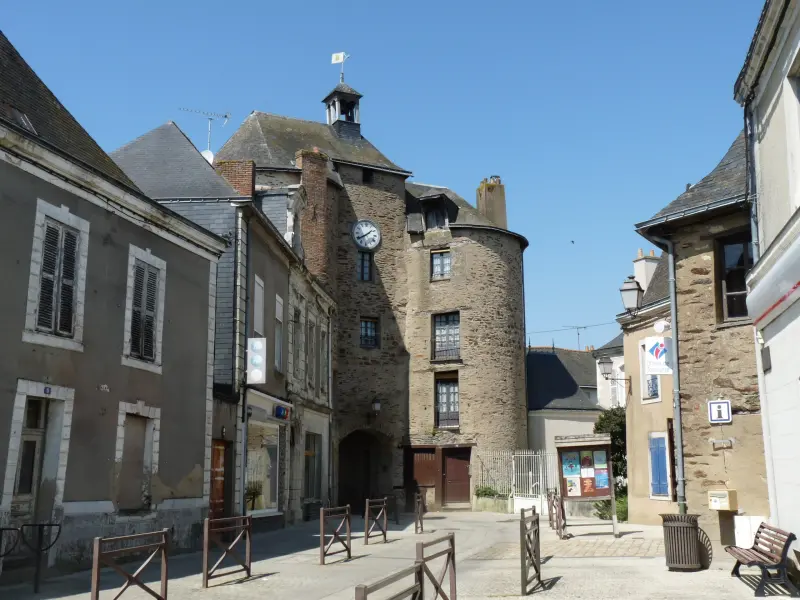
319 218
492 200
241 174
644 267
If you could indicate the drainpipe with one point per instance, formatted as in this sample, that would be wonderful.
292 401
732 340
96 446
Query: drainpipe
329 375
239 370
752 197
676 378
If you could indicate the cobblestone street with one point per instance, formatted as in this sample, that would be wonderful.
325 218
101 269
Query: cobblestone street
592 564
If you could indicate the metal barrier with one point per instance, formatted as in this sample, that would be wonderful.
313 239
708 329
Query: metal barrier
38 550
415 591
337 512
379 519
449 565
212 528
419 512
106 557
529 549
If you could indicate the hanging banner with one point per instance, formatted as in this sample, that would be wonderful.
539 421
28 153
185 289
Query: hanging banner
657 356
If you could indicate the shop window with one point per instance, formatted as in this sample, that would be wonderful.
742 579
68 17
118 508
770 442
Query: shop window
262 473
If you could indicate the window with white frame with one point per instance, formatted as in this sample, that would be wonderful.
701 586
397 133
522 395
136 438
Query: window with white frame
57 282
144 310
258 307
440 264
651 384
659 466
278 333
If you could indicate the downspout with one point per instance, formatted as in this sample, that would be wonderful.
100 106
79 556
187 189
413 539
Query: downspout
752 197
239 371
329 375
676 378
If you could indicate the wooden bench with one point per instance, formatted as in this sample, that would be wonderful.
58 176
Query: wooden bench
770 551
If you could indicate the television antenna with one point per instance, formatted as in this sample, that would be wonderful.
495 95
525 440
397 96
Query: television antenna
207 154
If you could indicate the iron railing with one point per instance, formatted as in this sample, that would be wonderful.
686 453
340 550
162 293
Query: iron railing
447 352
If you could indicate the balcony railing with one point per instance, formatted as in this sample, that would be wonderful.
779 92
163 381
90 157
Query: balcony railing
450 352
369 341
446 420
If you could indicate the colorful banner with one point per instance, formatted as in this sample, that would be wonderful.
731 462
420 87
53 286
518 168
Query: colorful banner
656 356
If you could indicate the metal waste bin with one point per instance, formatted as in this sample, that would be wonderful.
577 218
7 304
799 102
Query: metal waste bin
682 542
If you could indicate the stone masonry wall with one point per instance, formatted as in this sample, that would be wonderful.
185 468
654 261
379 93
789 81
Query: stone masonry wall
485 287
717 361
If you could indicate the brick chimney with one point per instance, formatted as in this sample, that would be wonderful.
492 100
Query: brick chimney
492 200
319 219
241 174
644 267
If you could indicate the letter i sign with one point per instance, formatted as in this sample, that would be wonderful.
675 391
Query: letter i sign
719 411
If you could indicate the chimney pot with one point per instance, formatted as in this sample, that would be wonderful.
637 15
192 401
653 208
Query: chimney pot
640 253
688 186
491 200
652 253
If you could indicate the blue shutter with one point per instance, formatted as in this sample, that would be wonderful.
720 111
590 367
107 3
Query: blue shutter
659 485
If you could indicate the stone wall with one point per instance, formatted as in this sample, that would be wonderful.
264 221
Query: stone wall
717 361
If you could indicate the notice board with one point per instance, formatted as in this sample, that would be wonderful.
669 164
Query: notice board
585 472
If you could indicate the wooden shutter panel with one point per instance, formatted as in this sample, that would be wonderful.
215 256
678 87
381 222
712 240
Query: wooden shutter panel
66 293
136 314
658 466
47 282
150 303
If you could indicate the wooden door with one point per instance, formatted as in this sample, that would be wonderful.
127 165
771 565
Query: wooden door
456 475
217 500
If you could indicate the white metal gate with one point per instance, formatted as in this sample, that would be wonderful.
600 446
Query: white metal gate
524 475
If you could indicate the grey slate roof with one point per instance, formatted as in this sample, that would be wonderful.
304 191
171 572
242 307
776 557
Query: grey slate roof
343 88
21 89
726 181
556 376
462 212
612 346
658 289
272 142
164 163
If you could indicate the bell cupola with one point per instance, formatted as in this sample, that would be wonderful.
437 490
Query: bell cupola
342 110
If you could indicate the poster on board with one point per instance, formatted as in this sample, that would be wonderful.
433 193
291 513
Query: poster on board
573 486
587 486
570 465
601 478
587 472
600 460
587 462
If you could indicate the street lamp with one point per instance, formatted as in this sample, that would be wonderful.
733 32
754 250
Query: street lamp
631 293
606 366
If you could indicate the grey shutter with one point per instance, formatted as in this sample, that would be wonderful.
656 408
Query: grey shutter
149 329
136 314
66 293
47 281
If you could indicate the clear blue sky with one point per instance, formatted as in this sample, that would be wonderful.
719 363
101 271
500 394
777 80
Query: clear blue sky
595 114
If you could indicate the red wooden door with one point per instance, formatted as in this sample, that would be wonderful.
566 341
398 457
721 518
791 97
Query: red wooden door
456 475
217 501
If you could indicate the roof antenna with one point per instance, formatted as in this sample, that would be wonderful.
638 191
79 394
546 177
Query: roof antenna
207 153
339 58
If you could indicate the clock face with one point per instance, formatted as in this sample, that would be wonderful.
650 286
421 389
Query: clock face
366 235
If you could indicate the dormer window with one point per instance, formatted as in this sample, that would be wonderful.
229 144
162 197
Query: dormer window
435 218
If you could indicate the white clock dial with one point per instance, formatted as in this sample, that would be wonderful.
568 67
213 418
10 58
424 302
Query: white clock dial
366 235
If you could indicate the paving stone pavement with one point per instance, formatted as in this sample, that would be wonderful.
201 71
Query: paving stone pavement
285 566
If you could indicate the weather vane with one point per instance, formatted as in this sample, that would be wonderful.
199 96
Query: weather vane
339 58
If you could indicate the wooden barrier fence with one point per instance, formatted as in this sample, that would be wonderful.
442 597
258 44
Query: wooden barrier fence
212 528
106 557
529 549
416 591
337 512
376 517
449 566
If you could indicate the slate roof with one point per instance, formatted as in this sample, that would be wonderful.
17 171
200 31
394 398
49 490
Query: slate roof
611 346
165 164
658 289
726 181
462 212
556 376
272 142
21 89
343 88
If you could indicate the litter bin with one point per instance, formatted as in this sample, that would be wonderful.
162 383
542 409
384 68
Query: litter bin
682 542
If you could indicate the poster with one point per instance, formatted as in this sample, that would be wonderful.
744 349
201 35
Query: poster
587 486
586 459
601 478
573 486
570 466
587 472
600 459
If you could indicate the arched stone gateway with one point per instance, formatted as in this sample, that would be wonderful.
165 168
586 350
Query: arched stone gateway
365 468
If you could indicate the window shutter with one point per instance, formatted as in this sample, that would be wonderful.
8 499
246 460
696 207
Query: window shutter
258 306
47 287
66 295
149 329
136 314
658 467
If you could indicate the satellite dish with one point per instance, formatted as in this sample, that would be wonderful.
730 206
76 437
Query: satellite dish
661 326
209 156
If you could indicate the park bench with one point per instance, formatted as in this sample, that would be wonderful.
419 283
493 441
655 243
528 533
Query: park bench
770 550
